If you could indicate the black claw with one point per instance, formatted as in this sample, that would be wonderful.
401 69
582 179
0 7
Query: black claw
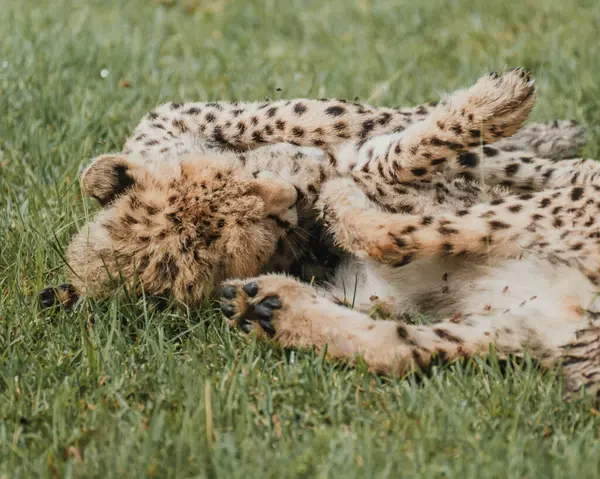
521 71
228 309
251 289
228 291
267 327
272 302
263 312
555 123
48 298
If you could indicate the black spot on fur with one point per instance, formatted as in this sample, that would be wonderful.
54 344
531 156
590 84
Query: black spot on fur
456 128
297 132
548 174
515 208
446 230
511 169
576 193
384 119
418 172
468 159
193 111
299 109
218 135
446 335
496 225
367 127
335 110
404 335
489 151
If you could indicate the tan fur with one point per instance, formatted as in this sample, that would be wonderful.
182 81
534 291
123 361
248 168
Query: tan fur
424 234
177 238
178 147
513 271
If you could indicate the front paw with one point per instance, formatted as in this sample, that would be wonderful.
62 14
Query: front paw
499 103
250 306
64 296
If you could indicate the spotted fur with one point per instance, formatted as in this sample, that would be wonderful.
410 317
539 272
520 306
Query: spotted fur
190 201
512 263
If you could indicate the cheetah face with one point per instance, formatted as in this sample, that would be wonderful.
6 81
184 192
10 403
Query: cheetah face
178 233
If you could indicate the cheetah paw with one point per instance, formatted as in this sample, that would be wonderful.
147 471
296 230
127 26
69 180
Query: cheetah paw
498 104
63 296
250 306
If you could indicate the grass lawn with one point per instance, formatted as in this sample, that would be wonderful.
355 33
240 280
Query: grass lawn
140 393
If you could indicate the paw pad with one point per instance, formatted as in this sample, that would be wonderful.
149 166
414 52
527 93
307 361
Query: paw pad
244 306
64 296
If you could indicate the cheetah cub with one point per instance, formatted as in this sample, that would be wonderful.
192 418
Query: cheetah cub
513 263
199 196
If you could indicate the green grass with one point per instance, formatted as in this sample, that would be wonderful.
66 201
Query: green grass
123 390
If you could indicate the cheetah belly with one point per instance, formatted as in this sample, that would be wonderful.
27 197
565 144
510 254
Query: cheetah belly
553 299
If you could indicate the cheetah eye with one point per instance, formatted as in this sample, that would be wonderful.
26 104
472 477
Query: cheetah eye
279 222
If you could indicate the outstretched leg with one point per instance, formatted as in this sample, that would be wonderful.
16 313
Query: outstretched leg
302 122
494 107
558 140
558 223
523 172
295 315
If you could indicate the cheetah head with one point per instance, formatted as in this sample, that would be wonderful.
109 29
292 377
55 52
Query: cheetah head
178 232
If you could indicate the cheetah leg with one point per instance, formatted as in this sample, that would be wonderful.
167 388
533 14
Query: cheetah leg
581 361
527 161
302 122
294 315
503 227
558 140
522 172
493 108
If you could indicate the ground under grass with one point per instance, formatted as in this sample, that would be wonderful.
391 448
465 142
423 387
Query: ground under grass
125 391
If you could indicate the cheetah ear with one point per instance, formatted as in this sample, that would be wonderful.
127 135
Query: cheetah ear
107 177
